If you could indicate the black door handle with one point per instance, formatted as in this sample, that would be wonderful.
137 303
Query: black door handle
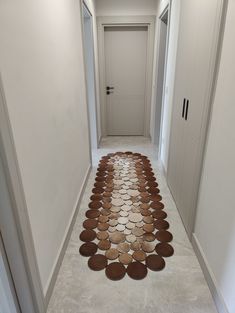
183 111
108 92
109 88
186 114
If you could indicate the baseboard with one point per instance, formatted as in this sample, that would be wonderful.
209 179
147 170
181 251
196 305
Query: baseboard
209 276
59 259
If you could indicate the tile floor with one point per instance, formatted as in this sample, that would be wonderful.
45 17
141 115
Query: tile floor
179 288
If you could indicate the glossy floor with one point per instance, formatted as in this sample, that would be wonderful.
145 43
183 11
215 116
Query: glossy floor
180 288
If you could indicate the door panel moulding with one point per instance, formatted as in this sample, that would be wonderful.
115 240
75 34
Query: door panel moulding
113 21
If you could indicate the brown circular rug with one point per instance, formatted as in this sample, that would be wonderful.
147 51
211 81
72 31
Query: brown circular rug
88 249
137 270
155 262
161 225
92 213
90 224
112 254
164 249
164 236
115 271
87 235
97 262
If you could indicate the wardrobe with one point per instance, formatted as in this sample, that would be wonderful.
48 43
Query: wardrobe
197 54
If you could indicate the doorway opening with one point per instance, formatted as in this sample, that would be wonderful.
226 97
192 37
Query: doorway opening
88 44
161 76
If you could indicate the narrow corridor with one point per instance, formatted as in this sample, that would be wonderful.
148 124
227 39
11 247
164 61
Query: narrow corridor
180 288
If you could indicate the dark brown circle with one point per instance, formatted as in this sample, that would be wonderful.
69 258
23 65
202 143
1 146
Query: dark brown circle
157 205
88 249
99 179
153 190
161 225
90 224
95 205
161 215
137 270
98 190
100 184
155 262
164 236
156 198
145 199
104 245
152 184
96 197
97 262
87 235
164 249
115 271
92 213
103 226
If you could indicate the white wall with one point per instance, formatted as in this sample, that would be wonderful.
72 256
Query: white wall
170 77
126 7
215 222
91 4
42 68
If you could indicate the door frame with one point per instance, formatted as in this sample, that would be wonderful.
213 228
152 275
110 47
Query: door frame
83 5
112 21
14 221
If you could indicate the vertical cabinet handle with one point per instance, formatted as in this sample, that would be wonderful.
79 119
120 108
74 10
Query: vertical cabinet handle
187 106
183 111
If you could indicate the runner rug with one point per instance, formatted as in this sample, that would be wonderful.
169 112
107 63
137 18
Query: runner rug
126 231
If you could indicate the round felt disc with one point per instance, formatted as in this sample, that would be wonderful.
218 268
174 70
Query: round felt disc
104 245
87 235
164 249
161 225
90 224
88 249
157 205
161 215
137 270
139 255
97 262
95 205
125 258
155 262
112 254
92 214
164 236
96 197
115 271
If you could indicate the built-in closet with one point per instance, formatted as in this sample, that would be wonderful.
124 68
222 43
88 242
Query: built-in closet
199 29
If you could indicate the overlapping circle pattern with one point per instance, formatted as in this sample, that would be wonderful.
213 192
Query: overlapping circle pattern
125 231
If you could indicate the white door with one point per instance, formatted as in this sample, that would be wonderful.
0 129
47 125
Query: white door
125 70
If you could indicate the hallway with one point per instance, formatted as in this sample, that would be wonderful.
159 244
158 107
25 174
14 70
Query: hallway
179 288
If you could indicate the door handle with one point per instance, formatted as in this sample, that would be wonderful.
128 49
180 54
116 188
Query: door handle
108 92
183 111
109 88
186 114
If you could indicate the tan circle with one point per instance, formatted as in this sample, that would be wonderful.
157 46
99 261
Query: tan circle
120 227
148 228
127 231
139 255
124 213
117 202
135 246
137 231
102 235
113 223
149 237
148 246
103 226
112 254
144 206
115 209
103 219
148 219
125 258
130 225
117 237
126 208
123 220
135 217
123 247
131 238
105 212
112 229
104 245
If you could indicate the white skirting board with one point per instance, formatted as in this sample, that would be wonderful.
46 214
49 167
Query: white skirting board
209 276
55 271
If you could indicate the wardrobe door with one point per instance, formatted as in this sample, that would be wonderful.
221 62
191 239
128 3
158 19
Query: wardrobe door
205 17
181 94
